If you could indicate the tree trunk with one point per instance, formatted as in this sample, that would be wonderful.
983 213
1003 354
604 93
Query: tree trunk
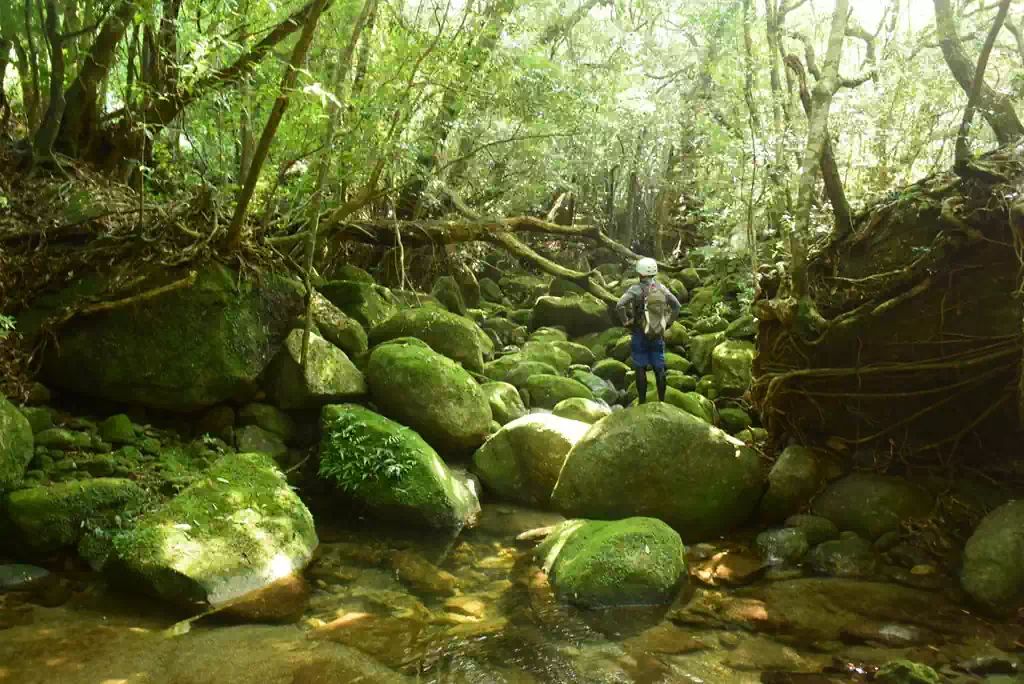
817 133
234 236
5 106
244 130
42 145
996 107
25 76
32 105
963 152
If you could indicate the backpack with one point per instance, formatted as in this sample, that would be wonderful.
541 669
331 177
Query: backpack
656 311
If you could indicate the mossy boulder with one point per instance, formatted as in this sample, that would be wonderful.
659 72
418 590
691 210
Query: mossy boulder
600 564
815 528
702 299
580 314
329 375
549 334
906 672
612 370
733 420
622 349
506 404
546 391
506 331
391 470
602 389
16 445
872 505
710 324
54 517
577 352
601 342
792 482
367 303
690 278
658 460
731 364
785 546
430 393
184 350
701 349
548 353
849 556
253 438
270 418
118 429
526 370
469 286
560 287
344 332
524 289
677 362
491 292
234 531
681 381
448 292
583 410
457 337
350 272
521 461
992 572
743 328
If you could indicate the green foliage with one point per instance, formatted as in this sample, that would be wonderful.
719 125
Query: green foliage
356 456
6 325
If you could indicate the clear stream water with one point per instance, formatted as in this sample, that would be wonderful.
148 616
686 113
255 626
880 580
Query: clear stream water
480 613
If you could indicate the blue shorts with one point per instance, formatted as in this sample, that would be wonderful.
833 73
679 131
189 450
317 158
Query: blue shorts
648 352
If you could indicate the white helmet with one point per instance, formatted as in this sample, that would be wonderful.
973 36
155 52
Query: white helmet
646 267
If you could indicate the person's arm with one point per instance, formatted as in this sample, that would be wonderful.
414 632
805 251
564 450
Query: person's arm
620 307
674 303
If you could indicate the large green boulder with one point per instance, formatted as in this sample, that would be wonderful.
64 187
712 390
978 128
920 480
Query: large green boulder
328 375
600 343
430 393
701 349
792 482
340 330
992 573
612 370
690 278
391 470
186 349
577 352
545 391
506 331
602 389
448 292
579 315
457 337
548 353
600 564
491 292
658 460
469 286
872 505
702 299
523 289
54 517
583 410
521 461
16 445
506 404
677 335
366 302
526 370
234 531
731 364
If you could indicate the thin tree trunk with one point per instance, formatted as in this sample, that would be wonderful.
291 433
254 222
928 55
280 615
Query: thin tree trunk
963 151
25 77
234 237
42 145
995 106
244 130
817 132
32 106
5 106
1018 36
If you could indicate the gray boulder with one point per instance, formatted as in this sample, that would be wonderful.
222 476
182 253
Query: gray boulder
993 561
329 375
872 505
792 482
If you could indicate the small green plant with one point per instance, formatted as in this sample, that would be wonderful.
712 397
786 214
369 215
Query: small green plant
357 456
6 325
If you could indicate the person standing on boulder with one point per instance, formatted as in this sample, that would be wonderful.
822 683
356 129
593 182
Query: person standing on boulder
649 308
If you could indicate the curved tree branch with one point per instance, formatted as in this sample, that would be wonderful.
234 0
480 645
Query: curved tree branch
963 151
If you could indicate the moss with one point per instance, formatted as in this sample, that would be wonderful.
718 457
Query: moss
577 352
363 301
906 672
612 370
16 444
54 517
633 561
547 390
455 336
506 404
578 314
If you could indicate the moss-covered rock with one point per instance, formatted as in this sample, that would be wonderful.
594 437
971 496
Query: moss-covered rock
506 404
577 352
447 291
521 461
707 387
743 328
677 362
622 350
602 389
344 332
681 381
598 564
507 332
63 439
254 439
236 530
524 289
734 420
992 572
367 303
350 272
391 470
469 286
560 287
184 350
782 546
612 370
792 482
118 429
702 299
579 314
701 349
39 417
872 505
815 528
431 394
547 390
583 410
691 279
54 517
457 337
906 672
549 334
16 445
519 375
600 343
731 364
328 375
270 418
491 292
547 353
710 324
657 460
849 556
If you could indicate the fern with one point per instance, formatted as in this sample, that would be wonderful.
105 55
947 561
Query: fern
356 457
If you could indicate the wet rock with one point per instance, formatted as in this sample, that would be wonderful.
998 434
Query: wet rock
792 482
814 527
391 640
627 562
239 529
729 567
872 505
848 556
280 601
889 634
448 408
993 561
989 665
660 461
469 605
422 575
906 672
16 445
759 653
784 546
522 461
391 470
506 404
22 577
508 521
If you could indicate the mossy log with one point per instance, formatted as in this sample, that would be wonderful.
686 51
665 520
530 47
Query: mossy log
910 339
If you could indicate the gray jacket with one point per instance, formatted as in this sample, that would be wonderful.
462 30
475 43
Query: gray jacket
626 307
